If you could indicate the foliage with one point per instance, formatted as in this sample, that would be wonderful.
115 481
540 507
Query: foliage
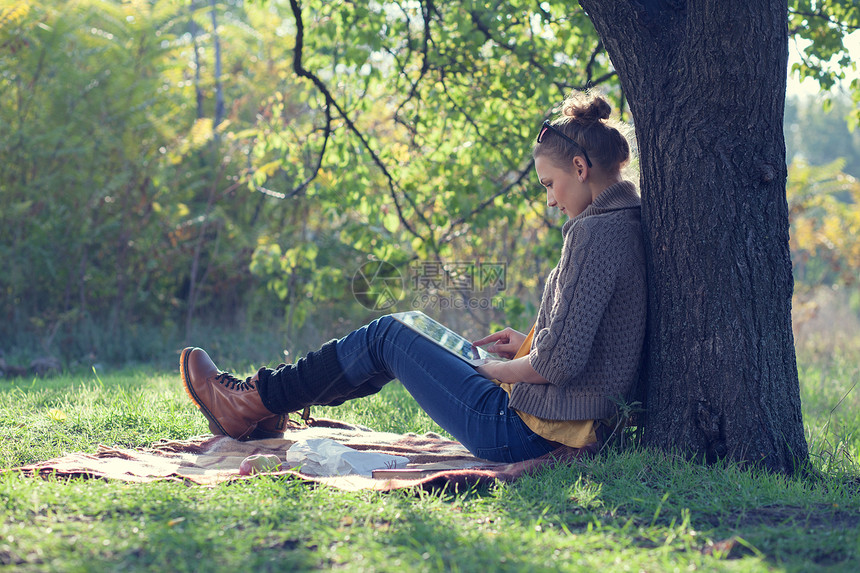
412 137
823 25
131 202
819 137
124 203
824 207
90 224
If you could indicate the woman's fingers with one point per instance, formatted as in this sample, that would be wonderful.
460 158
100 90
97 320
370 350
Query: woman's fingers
504 349
506 342
495 337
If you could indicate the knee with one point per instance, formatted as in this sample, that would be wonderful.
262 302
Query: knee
385 326
386 321
386 330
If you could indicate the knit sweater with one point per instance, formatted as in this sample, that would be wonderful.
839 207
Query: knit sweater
591 323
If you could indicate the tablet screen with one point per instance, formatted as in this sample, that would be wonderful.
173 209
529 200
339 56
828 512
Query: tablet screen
443 336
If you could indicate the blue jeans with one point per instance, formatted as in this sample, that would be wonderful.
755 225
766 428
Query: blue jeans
466 404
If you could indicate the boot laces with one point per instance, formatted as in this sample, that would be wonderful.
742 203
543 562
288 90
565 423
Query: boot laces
233 383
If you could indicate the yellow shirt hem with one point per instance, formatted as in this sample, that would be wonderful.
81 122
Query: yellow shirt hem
573 433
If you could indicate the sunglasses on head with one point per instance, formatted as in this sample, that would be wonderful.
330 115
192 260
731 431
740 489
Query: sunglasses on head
547 126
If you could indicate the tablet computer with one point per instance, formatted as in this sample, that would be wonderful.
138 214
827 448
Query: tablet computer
443 336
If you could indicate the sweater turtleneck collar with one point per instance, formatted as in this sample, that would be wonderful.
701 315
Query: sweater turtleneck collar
621 195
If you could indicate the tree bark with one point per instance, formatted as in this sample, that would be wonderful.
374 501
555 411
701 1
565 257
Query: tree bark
705 81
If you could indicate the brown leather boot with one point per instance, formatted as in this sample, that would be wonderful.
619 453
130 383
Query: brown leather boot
273 427
232 405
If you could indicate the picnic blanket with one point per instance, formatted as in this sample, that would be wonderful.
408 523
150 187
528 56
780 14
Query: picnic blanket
208 460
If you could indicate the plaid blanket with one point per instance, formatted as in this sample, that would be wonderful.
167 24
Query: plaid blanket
208 460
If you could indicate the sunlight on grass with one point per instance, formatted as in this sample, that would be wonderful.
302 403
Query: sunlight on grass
624 510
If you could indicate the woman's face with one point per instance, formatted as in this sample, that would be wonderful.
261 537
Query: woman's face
563 187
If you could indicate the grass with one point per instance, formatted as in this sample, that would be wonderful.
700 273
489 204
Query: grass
634 510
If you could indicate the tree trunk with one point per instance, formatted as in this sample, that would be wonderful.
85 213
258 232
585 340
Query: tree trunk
219 92
705 81
198 89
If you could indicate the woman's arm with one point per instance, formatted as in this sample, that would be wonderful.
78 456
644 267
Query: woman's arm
584 288
519 370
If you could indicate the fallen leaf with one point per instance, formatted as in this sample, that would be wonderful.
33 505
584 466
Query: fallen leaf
721 549
56 415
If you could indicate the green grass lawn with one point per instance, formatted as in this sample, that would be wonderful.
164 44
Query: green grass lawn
630 510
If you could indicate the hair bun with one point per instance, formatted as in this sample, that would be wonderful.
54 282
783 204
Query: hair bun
586 109
585 120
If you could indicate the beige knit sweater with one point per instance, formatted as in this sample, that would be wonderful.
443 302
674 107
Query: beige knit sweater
591 323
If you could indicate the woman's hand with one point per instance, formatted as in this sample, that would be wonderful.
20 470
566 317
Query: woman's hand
505 342
512 372
493 369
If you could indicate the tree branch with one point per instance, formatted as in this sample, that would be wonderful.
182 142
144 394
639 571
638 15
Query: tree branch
330 101
596 52
592 83
450 234
824 16
326 134
425 62
468 117
476 20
